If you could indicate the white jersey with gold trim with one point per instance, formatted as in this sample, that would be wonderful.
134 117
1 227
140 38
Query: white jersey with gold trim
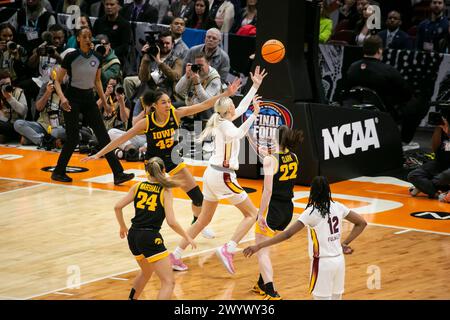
324 234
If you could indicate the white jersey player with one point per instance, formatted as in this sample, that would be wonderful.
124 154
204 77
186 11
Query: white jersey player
323 217
219 179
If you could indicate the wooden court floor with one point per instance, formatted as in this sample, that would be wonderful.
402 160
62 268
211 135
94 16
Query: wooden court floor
60 241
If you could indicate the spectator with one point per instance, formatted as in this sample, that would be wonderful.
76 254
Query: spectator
392 36
13 106
159 71
12 56
64 5
326 24
218 58
247 16
348 13
222 12
137 144
181 9
116 114
42 62
177 27
200 18
33 20
140 10
115 27
162 6
434 176
388 83
110 62
363 30
432 33
50 126
199 85
82 22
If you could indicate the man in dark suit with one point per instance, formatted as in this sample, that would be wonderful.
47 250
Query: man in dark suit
140 10
392 36
388 83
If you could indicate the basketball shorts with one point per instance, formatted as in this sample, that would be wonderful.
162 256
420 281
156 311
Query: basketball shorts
146 244
278 216
218 185
327 276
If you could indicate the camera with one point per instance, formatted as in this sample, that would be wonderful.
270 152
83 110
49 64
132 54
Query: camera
7 88
119 90
46 50
435 118
152 39
11 45
196 68
99 47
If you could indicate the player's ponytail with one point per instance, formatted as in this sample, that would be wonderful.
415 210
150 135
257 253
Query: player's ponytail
155 168
220 110
289 138
320 195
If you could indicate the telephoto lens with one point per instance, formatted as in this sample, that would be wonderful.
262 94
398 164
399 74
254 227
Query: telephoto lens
120 90
11 45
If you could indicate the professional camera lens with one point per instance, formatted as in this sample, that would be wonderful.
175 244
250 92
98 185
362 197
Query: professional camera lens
50 50
7 88
195 68
11 45
119 90
100 49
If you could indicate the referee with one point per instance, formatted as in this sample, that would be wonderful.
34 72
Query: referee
83 69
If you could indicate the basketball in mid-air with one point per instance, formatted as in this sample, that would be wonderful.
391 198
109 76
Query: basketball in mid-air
273 51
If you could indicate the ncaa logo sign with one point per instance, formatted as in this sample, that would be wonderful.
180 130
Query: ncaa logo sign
263 131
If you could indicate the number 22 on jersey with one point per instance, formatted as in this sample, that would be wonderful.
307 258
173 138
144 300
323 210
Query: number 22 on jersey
289 171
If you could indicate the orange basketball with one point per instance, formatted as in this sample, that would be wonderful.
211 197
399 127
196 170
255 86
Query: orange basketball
273 51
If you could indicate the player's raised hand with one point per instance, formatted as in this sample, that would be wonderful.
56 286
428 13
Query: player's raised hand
258 76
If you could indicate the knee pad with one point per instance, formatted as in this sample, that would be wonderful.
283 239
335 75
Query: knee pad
196 196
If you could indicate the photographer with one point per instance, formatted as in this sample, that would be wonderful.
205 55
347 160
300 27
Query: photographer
199 83
12 56
13 106
49 127
159 68
434 176
117 112
111 67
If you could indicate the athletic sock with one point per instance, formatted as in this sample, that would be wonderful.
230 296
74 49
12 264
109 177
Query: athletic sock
193 220
261 282
131 296
178 252
269 288
231 246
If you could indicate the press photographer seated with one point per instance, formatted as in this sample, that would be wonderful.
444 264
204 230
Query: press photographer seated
13 106
433 177
199 83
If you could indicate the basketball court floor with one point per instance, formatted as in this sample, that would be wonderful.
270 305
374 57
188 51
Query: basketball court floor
61 241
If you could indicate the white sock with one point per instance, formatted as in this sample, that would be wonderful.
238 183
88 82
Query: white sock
231 246
178 252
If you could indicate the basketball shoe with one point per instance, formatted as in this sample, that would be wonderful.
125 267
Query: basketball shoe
413 191
258 290
226 258
177 264
208 233
272 296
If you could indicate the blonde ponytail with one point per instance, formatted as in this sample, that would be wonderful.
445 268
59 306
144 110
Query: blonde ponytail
155 168
220 110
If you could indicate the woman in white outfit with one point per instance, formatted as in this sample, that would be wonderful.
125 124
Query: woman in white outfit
323 217
219 179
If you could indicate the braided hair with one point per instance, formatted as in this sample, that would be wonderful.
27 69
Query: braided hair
320 196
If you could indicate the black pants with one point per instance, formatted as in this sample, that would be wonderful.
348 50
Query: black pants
431 177
7 129
83 101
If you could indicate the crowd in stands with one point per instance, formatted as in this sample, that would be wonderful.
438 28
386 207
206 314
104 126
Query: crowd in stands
32 49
